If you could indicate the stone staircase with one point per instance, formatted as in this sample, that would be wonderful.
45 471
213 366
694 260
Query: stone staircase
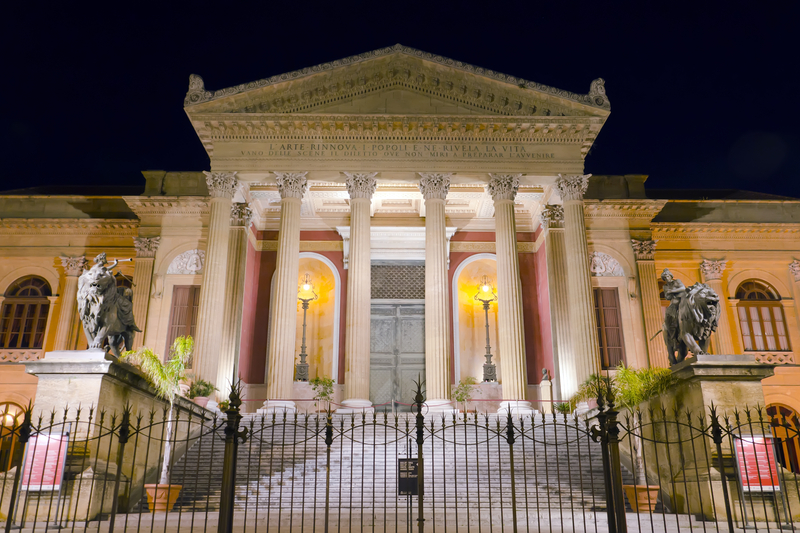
281 468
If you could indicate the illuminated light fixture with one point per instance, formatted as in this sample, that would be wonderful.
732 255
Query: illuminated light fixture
306 295
486 296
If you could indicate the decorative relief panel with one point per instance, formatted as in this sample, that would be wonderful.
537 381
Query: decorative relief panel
603 265
794 268
189 262
398 282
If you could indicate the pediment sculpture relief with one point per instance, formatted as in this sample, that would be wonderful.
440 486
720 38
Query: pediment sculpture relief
189 262
603 265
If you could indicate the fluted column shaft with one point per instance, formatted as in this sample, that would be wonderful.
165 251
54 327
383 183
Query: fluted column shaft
435 187
234 299
563 362
583 336
283 322
651 303
221 187
146 248
511 331
73 267
722 340
361 187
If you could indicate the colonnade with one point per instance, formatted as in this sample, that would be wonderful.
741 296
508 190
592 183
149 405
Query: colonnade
577 350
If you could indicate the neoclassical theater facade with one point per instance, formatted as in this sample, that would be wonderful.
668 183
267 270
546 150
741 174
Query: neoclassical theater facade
393 188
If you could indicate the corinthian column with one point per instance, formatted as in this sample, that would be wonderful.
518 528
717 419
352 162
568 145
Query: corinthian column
283 322
360 187
511 332
583 337
234 299
221 187
434 188
73 267
721 341
146 248
645 252
552 220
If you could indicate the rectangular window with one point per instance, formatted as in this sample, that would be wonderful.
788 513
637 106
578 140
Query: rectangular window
763 327
609 327
183 315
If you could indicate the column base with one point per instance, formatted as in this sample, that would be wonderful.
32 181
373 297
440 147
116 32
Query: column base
439 407
277 406
517 408
355 406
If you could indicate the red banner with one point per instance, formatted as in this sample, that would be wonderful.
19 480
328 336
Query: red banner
45 457
755 459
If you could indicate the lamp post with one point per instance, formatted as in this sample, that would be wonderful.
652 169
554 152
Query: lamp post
306 289
486 295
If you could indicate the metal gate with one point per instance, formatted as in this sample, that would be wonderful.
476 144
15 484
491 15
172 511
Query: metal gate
397 352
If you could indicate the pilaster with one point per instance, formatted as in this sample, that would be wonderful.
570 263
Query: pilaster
645 251
711 274
511 332
360 186
434 188
234 299
794 272
221 188
67 318
585 351
146 248
283 322
552 221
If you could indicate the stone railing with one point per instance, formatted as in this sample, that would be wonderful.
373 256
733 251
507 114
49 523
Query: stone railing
774 358
20 356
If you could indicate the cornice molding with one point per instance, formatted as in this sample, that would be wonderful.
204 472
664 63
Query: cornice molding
404 68
168 205
665 231
68 226
647 209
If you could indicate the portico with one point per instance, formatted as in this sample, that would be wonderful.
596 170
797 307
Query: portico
401 158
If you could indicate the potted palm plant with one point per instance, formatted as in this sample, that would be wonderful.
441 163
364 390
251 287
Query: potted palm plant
633 387
165 377
200 392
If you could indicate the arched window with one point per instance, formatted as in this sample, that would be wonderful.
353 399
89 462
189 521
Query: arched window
11 416
761 318
786 430
24 314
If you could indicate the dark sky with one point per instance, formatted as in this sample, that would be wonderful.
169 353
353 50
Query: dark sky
703 94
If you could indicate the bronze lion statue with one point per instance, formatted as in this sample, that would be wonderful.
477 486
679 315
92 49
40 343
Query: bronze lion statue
691 318
106 310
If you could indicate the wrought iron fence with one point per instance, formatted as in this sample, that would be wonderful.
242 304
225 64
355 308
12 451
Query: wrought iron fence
86 470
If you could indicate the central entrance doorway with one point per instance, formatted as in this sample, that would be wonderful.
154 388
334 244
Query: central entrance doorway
397 352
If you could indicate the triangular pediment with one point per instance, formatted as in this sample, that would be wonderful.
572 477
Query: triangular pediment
396 80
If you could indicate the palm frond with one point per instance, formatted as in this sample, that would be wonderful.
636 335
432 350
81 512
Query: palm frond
165 377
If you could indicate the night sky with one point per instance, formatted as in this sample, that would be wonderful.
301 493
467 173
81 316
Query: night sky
703 94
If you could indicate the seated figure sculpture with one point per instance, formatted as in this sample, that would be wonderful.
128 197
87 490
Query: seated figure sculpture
690 319
106 310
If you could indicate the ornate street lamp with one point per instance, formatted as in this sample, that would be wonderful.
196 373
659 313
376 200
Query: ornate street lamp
306 294
486 295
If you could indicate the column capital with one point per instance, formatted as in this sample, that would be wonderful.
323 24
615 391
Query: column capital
712 270
146 246
794 268
434 185
552 216
503 186
572 187
73 266
643 250
221 184
361 184
240 214
291 184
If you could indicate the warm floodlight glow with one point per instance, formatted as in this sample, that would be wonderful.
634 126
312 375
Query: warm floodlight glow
485 288
306 287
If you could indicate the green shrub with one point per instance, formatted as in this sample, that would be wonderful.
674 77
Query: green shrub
200 389
463 391
323 388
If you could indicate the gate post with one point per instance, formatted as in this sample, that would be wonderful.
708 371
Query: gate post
419 401
232 437
612 431
599 434
24 434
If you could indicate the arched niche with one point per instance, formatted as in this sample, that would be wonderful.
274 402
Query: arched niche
469 332
322 329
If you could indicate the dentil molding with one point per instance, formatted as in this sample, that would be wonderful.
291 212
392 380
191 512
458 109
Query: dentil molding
68 226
